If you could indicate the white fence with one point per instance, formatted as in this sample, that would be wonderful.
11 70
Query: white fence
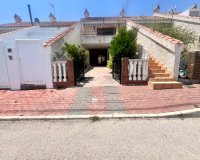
138 69
59 71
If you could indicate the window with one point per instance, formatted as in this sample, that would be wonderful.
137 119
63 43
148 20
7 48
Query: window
106 31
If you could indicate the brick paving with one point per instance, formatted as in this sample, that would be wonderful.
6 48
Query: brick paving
99 76
97 100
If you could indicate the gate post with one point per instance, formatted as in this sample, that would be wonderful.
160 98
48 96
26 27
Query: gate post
193 66
70 73
124 71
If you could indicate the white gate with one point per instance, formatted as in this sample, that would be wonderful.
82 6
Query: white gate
31 62
4 81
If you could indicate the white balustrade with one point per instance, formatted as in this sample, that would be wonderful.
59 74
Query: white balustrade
138 69
59 71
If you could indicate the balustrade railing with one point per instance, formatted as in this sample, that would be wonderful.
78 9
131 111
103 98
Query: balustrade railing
59 71
138 69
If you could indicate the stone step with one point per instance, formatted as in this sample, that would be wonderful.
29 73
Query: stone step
161 79
152 71
155 75
153 63
154 67
165 85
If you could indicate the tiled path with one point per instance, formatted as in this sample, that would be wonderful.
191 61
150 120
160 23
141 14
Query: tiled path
97 100
99 76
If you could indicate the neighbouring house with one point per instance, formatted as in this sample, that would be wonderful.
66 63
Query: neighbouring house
189 19
26 56
28 53
19 24
97 33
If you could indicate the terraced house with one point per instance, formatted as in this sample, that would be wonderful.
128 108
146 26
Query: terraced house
27 53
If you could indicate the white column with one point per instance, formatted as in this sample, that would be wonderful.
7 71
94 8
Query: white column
134 69
139 69
59 72
130 69
54 72
64 71
145 70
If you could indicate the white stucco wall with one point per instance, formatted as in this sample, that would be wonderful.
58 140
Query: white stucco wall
13 66
191 23
96 41
56 47
46 51
74 36
166 51
192 27
4 81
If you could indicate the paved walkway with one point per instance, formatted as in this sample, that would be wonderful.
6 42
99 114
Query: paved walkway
99 76
97 100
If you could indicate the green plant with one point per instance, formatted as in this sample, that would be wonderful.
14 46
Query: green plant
109 62
95 118
177 32
185 35
124 44
75 52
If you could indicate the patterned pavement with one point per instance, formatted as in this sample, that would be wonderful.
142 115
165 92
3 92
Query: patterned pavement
99 76
97 100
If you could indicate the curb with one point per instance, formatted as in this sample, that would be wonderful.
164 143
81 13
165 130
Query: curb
192 113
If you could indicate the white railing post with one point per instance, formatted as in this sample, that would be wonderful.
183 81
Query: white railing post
64 72
130 69
134 70
139 70
59 71
145 70
138 67
54 72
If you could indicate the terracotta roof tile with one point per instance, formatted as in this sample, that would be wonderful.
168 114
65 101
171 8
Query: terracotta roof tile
168 38
42 24
59 36
176 15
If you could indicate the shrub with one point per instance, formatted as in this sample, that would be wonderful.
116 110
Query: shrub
177 32
124 44
75 52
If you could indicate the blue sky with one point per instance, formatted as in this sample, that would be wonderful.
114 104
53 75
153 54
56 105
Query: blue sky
73 9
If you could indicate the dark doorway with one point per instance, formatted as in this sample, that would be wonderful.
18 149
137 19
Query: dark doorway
98 57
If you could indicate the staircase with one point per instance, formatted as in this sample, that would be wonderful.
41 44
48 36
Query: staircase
160 78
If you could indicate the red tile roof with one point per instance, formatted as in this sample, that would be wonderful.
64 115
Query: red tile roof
13 31
137 18
176 15
140 18
166 37
59 36
42 24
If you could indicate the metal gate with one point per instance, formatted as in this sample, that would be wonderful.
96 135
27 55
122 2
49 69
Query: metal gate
116 70
79 71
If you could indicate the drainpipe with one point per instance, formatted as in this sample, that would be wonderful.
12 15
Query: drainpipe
29 9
